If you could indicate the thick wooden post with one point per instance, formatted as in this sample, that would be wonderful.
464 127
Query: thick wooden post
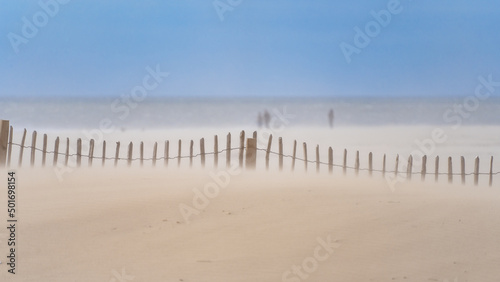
280 143
216 151
202 151
330 160
155 153
491 171
344 163
476 171
305 155
141 153
4 141
66 155
370 163
179 153
268 150
91 152
228 150
294 155
251 153
436 169
396 166
450 170
242 146
21 150
356 164
462 169
9 151
409 169
166 152
103 162
33 148
79 152
117 153
56 151
130 153
44 150
191 149
317 158
424 168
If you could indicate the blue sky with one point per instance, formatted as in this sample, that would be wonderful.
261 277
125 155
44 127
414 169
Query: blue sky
260 48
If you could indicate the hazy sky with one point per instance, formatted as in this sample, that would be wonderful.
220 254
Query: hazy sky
248 47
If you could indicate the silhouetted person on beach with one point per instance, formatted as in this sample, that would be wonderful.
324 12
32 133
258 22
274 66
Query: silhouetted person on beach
330 117
267 118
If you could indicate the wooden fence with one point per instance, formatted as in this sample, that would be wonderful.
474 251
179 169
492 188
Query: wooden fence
247 156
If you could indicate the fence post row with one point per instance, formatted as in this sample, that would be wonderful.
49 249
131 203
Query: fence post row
4 141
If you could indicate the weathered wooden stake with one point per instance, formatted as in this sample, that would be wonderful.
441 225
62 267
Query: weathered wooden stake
305 155
202 151
44 150
33 148
491 171
91 152
383 165
450 170
330 160
255 135
344 164
268 150
216 151
155 152
409 169
294 155
179 153
251 153
79 152
66 155
356 164
462 169
476 171
103 161
166 153
370 163
242 146
424 168
228 150
130 153
56 152
317 158
191 148
9 151
141 153
4 141
280 145
397 166
117 153
21 150
436 169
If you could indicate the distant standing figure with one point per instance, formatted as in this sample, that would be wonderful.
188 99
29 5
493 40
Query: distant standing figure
259 120
330 117
267 118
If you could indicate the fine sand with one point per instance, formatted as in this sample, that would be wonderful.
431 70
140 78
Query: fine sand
127 224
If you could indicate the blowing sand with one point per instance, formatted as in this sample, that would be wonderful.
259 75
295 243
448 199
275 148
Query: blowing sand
128 225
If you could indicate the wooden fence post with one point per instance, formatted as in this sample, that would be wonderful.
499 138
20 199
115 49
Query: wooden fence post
91 152
9 151
383 165
103 162
44 150
397 166
294 155
155 152
409 169
317 158
242 146
476 171
202 151
268 150
191 148
436 169
216 151
130 153
450 170
251 153
56 151
117 153
255 135
330 160
166 153
4 141
370 163
305 154
141 153
462 169
491 171
424 168
21 150
228 150
356 164
66 155
79 152
179 153
33 148
344 164
280 143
